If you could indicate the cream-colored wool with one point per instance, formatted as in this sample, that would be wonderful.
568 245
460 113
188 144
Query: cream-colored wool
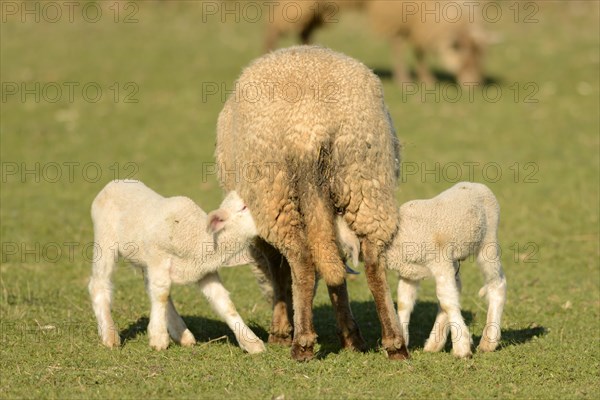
173 241
306 135
323 121
302 17
453 33
448 29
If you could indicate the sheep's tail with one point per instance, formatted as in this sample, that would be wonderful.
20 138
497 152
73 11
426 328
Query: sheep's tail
320 232
312 169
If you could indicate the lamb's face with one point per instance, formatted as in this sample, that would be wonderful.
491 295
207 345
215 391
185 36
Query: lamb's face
233 218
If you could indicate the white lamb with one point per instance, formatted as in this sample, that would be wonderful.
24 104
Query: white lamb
433 237
173 241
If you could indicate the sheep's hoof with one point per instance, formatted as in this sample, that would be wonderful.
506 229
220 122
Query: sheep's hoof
353 341
187 339
300 353
254 347
159 347
462 351
398 354
159 343
433 346
465 355
112 340
280 339
112 343
486 346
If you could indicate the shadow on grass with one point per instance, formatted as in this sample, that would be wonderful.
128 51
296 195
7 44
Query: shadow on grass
365 313
386 74
421 323
204 329
513 337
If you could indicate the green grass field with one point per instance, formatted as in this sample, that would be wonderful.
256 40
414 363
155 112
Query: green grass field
84 102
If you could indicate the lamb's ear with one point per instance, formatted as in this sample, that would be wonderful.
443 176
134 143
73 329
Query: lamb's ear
216 221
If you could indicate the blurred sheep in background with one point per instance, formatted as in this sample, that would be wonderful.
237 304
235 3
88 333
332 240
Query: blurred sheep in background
448 30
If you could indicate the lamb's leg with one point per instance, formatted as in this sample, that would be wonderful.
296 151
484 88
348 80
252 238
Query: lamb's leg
271 38
277 268
158 286
177 328
264 279
495 291
401 73
218 297
423 72
391 333
348 330
308 29
449 298
407 296
439 333
100 289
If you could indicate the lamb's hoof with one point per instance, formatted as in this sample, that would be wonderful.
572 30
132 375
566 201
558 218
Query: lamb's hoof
159 343
112 340
433 346
353 341
465 355
462 351
284 340
398 354
254 347
112 343
300 353
187 339
487 346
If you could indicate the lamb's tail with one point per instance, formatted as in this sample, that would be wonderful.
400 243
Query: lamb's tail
492 208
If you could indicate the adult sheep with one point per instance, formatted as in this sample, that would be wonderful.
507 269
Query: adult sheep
447 29
312 126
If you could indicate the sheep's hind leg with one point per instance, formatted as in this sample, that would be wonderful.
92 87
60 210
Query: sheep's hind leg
177 328
303 283
348 330
495 291
407 296
449 316
439 333
391 334
101 293
218 297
